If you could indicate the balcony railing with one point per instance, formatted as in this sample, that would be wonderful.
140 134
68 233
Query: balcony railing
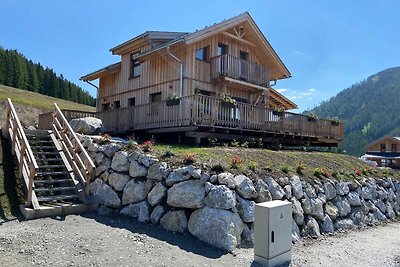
240 69
213 112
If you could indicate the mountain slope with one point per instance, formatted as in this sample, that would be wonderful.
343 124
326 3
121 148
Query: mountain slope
19 72
370 109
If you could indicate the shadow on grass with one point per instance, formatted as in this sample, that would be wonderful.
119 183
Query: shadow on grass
12 194
183 241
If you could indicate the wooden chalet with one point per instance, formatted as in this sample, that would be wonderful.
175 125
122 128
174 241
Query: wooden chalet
385 152
212 83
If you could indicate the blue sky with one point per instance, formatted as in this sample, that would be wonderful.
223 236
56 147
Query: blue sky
327 45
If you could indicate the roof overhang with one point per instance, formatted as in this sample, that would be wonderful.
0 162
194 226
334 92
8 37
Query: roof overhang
111 69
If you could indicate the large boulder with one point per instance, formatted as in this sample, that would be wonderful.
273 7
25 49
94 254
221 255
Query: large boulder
309 190
297 211
220 197
217 227
188 194
312 227
118 180
137 170
354 199
295 232
327 224
342 188
344 224
263 192
158 171
329 190
120 162
157 194
182 174
275 189
134 191
157 214
88 125
343 206
317 210
138 210
110 149
174 221
245 209
331 210
297 188
104 194
244 187
227 179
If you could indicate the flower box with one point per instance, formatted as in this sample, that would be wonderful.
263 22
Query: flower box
173 102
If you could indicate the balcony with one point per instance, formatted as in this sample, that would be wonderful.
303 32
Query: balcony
205 112
239 69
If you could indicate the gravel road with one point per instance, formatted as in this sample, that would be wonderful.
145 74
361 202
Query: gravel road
98 240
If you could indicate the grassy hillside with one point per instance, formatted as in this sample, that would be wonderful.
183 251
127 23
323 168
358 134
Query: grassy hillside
370 109
264 162
37 100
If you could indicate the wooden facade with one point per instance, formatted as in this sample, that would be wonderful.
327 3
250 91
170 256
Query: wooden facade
384 151
229 59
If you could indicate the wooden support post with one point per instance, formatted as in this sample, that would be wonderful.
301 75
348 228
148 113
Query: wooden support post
21 160
14 137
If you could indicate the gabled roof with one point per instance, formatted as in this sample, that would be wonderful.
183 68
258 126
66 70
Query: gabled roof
393 138
110 69
146 37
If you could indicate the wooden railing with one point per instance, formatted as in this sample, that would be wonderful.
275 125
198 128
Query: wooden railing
240 69
27 165
211 111
46 119
78 158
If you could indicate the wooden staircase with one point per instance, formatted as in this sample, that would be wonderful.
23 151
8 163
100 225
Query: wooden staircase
54 166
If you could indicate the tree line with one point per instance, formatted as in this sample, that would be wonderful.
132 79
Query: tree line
19 72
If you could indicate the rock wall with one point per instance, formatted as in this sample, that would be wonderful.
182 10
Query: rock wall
219 209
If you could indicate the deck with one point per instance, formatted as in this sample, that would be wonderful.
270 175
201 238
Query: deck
204 116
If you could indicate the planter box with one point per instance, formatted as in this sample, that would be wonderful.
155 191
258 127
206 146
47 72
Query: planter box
228 105
173 102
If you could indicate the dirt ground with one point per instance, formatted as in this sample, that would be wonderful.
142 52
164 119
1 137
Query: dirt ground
98 240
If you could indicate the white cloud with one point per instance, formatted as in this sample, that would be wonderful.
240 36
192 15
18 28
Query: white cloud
281 90
292 94
312 90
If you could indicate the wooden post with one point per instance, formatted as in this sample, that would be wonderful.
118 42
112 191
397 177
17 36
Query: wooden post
22 153
14 136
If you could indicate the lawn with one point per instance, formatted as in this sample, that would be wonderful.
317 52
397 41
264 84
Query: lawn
37 100
263 162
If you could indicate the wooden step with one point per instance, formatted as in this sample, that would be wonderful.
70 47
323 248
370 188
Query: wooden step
42 147
48 159
54 189
52 173
55 166
46 153
54 181
39 141
57 197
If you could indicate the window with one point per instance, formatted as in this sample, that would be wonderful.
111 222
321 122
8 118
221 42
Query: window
136 68
156 97
222 49
117 104
244 69
105 106
383 147
243 55
394 147
202 54
131 101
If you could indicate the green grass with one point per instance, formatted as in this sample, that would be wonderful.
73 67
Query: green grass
275 163
36 100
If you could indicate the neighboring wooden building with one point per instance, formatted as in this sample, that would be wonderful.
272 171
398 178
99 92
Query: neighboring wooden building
384 151
215 82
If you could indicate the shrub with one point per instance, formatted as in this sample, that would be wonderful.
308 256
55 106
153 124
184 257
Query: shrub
245 144
212 141
300 168
189 158
335 174
319 172
367 170
147 145
268 168
357 172
236 162
252 166
218 168
235 143
285 169
131 145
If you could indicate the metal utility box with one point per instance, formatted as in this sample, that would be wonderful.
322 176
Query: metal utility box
273 232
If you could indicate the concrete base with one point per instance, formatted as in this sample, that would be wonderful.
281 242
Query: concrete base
280 260
55 210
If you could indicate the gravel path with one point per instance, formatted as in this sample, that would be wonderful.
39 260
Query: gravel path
94 240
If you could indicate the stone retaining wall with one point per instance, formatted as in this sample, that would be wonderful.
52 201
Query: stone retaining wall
219 209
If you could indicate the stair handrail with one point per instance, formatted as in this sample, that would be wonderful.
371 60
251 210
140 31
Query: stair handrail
23 151
76 154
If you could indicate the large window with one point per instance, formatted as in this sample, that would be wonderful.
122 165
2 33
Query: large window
117 104
136 68
202 54
222 49
383 147
156 97
105 106
131 101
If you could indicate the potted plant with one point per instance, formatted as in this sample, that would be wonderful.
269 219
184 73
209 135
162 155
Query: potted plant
197 90
334 121
312 116
173 100
278 111
228 101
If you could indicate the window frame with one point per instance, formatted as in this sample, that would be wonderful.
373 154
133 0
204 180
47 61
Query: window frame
135 63
130 101
205 54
